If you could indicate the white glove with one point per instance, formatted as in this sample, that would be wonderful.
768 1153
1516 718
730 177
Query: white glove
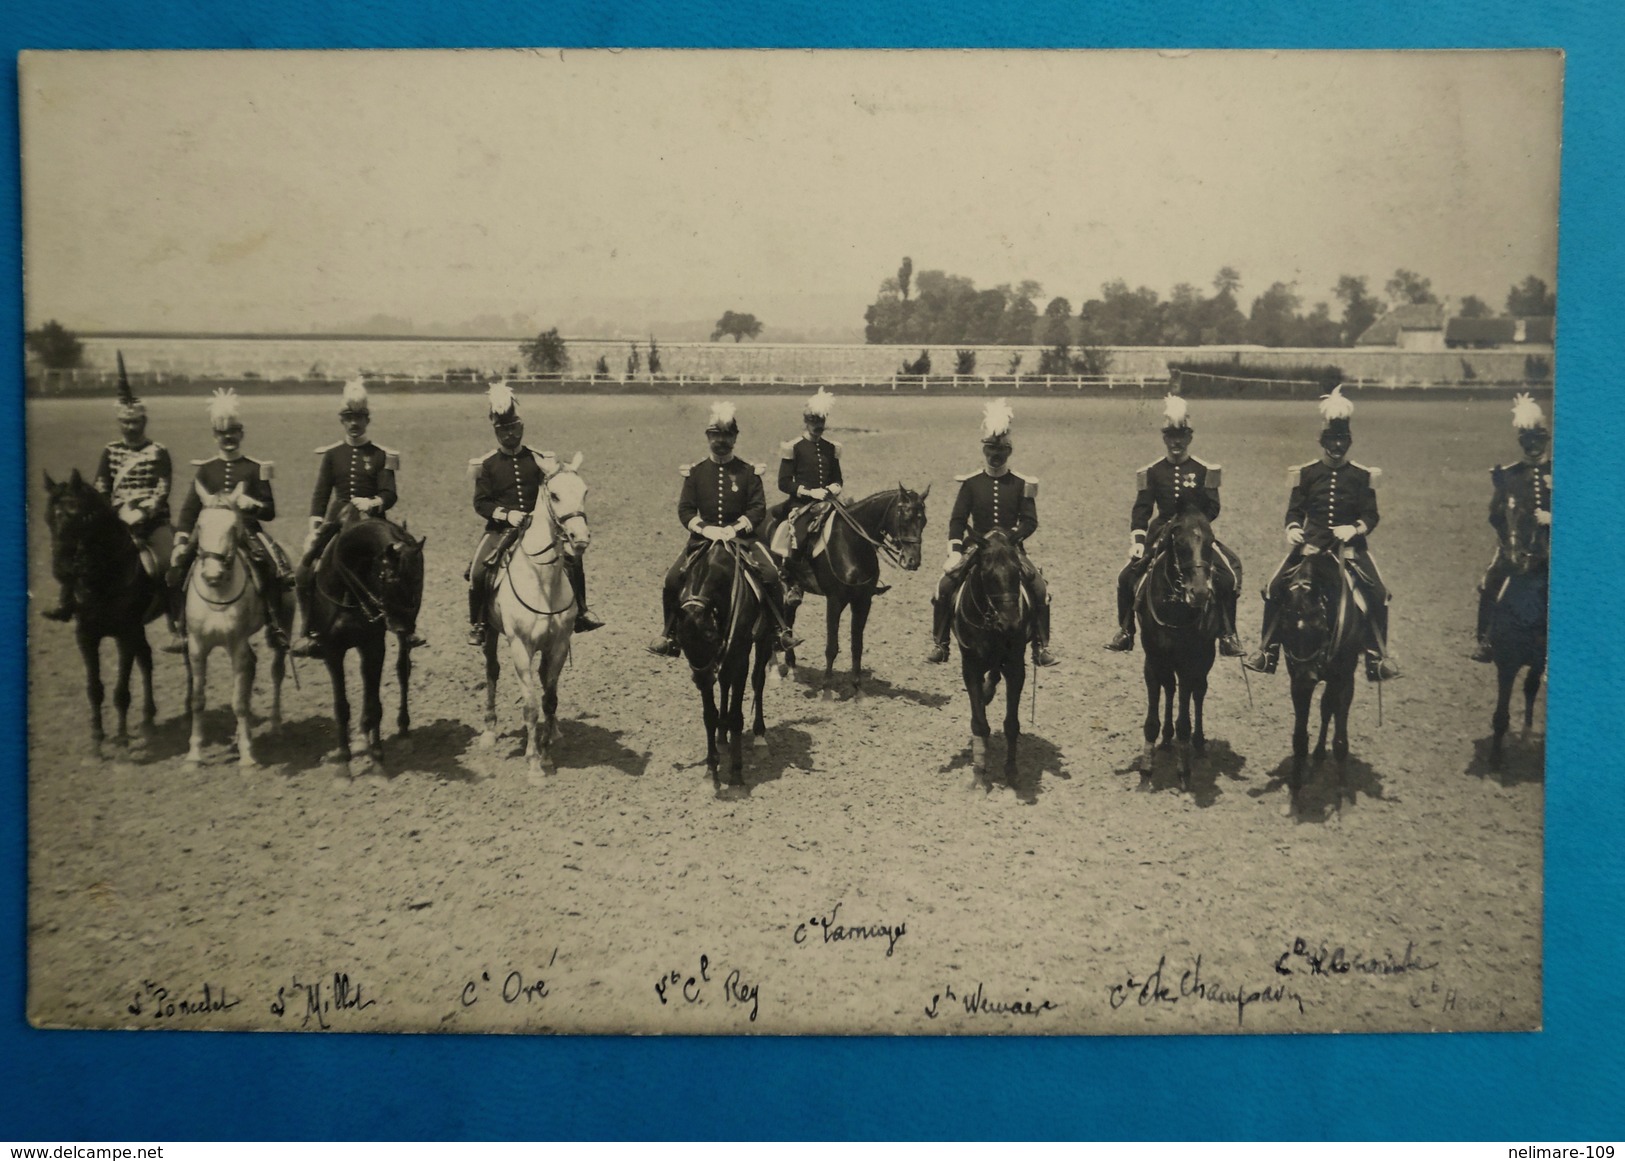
953 561
1345 532
833 489
818 493
247 503
130 514
315 525
1294 535
515 517
1136 550
364 504
1542 516
714 532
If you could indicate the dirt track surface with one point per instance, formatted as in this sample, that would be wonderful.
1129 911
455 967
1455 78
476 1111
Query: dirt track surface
449 893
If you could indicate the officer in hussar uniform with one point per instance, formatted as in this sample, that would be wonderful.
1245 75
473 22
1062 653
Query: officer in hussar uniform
809 472
1333 503
355 475
1166 487
1527 484
508 484
994 497
218 477
722 499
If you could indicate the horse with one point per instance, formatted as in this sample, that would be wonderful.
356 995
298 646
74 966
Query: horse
114 596
225 608
368 583
1517 626
847 572
1179 627
993 621
532 608
721 619
1322 631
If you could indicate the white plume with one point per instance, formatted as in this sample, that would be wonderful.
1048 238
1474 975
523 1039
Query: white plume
1526 413
722 414
355 395
499 397
223 408
1175 412
1336 405
996 418
819 404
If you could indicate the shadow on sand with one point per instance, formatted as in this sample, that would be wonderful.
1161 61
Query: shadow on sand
1218 762
787 749
1318 799
808 678
1521 761
1035 755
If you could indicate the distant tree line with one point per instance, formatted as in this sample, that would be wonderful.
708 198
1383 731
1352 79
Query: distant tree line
932 307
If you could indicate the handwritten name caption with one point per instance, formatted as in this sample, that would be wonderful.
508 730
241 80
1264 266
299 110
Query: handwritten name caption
977 1002
1316 960
834 932
683 988
321 999
157 1002
1443 998
1156 990
515 985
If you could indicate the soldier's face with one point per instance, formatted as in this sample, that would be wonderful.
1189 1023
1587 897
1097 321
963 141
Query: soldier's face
229 439
815 425
510 436
996 453
1178 443
1337 446
355 423
722 443
1534 443
132 427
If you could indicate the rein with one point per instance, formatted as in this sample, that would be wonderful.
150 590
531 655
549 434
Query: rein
542 558
890 546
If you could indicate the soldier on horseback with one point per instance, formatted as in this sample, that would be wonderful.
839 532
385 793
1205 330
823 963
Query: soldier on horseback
809 473
356 475
994 497
508 484
722 499
231 471
1333 503
1166 487
1527 483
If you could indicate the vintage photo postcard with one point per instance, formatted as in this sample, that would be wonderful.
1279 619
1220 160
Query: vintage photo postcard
788 542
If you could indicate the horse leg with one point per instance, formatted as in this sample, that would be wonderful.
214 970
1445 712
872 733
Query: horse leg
524 665
787 667
1015 679
1340 738
1507 674
758 683
493 671
972 674
143 661
372 702
242 667
834 606
95 691
861 605
1197 681
1153 693
1328 705
1303 697
333 658
1531 690
1168 684
121 694
734 699
708 697
197 669
1182 733
403 678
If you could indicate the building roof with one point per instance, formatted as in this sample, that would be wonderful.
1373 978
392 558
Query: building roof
1539 330
1408 316
1480 330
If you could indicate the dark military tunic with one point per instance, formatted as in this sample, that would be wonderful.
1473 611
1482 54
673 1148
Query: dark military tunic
720 494
350 472
139 477
1166 488
808 464
506 483
1324 497
1529 485
220 475
985 503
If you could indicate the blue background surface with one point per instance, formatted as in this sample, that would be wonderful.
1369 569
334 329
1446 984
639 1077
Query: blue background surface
1563 1083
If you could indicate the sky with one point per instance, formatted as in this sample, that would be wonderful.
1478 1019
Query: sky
290 191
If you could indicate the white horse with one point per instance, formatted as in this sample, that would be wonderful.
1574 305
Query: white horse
533 610
225 608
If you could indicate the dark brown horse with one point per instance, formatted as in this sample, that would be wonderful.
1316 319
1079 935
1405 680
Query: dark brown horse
846 573
1517 625
1179 626
993 621
725 634
113 596
369 583
1322 630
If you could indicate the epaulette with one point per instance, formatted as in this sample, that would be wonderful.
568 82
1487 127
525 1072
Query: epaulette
788 448
200 463
1142 478
392 458
267 469
1029 486
1214 472
1294 476
475 462
322 451
684 469
1374 473
759 469
969 475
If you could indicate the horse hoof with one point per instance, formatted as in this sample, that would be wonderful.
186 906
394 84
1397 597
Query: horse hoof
1289 810
760 742
341 773
247 762
488 740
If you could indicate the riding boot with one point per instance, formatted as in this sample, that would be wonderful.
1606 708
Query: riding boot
476 615
1123 642
175 594
1378 665
1269 653
585 621
304 581
774 590
1484 651
666 645
941 614
1229 641
1041 654
65 606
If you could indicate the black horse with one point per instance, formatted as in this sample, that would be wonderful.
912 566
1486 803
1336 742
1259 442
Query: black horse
846 573
93 554
368 583
1322 630
1517 625
721 619
993 621
1179 626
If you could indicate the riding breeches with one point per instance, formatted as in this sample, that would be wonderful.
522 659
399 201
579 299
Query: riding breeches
1490 587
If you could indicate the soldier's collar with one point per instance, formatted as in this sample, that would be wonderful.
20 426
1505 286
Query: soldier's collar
362 442
1178 463
1325 458
732 456
232 457
135 446
1000 474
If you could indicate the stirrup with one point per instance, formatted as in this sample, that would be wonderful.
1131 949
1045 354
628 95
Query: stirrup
1483 651
1230 646
309 645
586 622
792 595
60 613
1380 668
787 640
1264 661
476 635
663 647
938 654
1042 657
176 644
1123 642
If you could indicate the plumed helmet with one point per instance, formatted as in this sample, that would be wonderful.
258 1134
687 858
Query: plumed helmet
129 405
223 409
722 420
996 420
500 401
355 398
1175 414
819 404
1527 415
1335 409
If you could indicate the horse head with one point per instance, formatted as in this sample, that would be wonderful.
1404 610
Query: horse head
70 508
905 526
702 607
566 497
1190 547
1528 541
1306 608
218 534
400 579
996 569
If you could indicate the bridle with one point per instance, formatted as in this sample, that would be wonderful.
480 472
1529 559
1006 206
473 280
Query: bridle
1302 586
558 545
1178 580
699 601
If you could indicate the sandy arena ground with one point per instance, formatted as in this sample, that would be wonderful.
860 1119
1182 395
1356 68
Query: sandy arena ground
451 894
